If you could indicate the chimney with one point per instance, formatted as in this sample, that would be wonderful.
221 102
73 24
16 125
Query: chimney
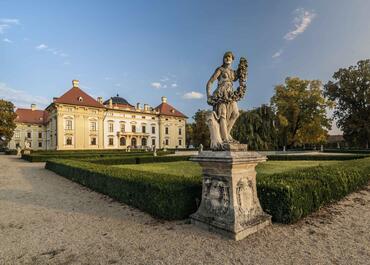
164 99
146 107
100 100
138 105
55 99
75 83
33 107
110 103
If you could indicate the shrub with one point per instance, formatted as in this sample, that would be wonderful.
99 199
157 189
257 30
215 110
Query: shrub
352 151
11 152
165 196
316 157
137 160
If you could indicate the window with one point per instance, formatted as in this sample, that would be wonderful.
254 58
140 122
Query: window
40 134
122 127
110 141
153 130
68 125
122 141
180 142
180 131
153 141
143 142
29 134
93 141
133 116
110 127
69 140
153 118
133 142
16 134
143 129
93 126
167 142
133 128
166 130
143 117
40 144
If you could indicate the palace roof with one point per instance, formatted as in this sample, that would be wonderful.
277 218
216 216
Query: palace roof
166 109
31 116
76 96
118 100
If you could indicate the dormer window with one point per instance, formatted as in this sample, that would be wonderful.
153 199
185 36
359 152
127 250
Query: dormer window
172 111
80 99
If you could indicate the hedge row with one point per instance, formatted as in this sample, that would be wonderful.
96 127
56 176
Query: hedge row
35 157
292 195
354 151
316 157
11 152
165 196
287 196
137 160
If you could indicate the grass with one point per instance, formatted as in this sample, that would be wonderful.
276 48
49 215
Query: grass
188 168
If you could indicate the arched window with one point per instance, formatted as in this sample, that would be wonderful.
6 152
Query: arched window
143 142
133 142
122 141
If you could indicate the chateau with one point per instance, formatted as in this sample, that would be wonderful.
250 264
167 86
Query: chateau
77 121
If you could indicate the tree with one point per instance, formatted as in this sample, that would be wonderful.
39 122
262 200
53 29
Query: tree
301 112
7 121
200 129
189 127
256 128
351 93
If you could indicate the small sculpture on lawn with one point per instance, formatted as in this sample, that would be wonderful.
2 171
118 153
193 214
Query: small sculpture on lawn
224 99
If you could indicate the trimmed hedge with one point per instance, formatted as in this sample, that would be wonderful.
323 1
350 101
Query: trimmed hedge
137 160
164 196
11 152
36 157
287 196
316 157
354 151
292 195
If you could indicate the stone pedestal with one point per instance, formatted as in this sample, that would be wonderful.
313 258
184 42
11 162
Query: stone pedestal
230 205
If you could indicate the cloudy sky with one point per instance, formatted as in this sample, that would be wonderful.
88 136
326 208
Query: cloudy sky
145 49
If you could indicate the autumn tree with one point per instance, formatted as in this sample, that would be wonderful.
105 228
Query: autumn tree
256 128
350 90
200 129
300 109
189 127
7 121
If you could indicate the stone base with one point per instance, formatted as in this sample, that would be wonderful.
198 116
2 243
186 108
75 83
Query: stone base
254 226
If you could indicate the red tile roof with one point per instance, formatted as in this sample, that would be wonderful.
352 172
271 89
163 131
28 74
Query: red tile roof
73 96
31 116
167 109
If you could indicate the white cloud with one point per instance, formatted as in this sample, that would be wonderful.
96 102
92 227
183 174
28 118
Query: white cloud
7 40
156 85
41 47
193 95
117 85
174 85
6 23
277 54
21 98
302 20
164 79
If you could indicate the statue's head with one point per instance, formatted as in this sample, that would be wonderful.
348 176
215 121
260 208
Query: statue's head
228 58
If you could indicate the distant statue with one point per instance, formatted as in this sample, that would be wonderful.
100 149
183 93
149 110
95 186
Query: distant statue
200 148
223 100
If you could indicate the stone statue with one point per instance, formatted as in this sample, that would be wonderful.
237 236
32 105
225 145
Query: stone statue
200 149
223 100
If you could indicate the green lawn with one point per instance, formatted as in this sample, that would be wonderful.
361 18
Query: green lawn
187 168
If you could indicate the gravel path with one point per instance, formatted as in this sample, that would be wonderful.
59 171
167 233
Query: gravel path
47 219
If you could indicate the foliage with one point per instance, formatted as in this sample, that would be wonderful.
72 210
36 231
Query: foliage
256 128
189 128
351 92
301 112
161 195
316 157
200 129
351 151
292 195
7 121
137 160
11 152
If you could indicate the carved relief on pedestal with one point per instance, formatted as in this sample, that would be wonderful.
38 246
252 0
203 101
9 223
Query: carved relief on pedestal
216 196
248 205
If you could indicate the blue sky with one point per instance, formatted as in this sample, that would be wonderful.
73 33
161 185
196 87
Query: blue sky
145 49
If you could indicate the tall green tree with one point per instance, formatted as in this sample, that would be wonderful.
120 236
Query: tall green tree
189 127
200 129
7 121
300 108
351 92
256 128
